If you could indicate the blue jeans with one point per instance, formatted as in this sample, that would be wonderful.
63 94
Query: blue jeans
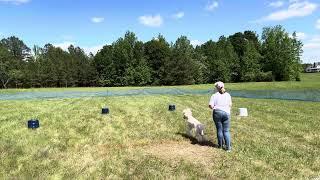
222 122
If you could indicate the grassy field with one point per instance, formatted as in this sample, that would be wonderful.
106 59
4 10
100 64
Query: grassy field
141 139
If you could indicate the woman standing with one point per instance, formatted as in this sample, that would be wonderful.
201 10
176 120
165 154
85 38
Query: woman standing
220 103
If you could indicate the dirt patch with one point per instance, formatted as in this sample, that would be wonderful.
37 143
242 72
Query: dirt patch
171 151
177 151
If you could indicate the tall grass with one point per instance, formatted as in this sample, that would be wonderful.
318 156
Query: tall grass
141 139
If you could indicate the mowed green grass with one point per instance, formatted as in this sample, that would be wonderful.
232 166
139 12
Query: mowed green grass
141 139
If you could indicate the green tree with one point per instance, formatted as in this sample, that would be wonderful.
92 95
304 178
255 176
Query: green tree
16 47
34 71
201 68
281 54
5 66
157 53
138 71
297 51
253 38
13 67
17 77
250 63
104 65
221 60
81 69
226 62
56 67
123 54
207 51
182 68
247 46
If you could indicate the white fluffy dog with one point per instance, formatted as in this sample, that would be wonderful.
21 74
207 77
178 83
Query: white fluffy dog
193 123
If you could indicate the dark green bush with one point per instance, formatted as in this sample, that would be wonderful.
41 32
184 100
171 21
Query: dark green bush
264 76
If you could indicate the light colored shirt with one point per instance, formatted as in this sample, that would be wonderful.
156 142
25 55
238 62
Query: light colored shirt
221 101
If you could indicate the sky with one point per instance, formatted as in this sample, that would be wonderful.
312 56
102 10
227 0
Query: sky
91 24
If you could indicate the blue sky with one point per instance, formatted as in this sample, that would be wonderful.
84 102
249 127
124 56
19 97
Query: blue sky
92 24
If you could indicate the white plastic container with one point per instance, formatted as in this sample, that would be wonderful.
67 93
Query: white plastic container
243 112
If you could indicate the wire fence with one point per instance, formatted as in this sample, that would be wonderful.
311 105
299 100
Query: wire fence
302 95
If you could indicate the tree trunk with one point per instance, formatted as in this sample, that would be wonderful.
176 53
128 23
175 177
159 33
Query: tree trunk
5 83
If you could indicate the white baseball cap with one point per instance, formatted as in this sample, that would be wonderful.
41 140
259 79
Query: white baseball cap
219 85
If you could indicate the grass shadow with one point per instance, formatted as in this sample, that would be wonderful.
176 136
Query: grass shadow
195 141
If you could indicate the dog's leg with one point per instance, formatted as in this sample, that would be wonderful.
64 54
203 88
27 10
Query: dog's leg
189 130
199 137
199 133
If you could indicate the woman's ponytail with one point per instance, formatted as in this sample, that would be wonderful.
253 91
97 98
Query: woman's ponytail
220 87
222 90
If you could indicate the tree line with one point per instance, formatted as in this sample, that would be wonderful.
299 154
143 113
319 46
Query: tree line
241 57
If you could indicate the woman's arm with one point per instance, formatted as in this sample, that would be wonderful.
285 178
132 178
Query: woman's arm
211 102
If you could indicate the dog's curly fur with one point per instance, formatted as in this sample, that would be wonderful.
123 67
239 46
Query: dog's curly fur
193 124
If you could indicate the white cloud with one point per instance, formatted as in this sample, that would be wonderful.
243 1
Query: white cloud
311 52
178 15
318 24
97 19
151 21
212 5
311 49
312 45
93 49
276 4
301 35
16 2
293 1
295 9
195 43
64 45
315 38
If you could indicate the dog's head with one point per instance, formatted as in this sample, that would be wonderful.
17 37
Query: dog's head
186 113
200 129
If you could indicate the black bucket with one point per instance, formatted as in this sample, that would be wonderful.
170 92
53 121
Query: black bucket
33 124
172 107
105 110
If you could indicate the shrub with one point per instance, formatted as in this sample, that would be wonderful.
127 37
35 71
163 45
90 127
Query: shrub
250 77
264 76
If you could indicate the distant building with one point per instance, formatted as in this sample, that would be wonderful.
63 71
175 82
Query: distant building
313 68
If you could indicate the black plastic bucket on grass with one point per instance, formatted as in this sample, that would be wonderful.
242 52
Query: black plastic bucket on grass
33 124
172 107
105 110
